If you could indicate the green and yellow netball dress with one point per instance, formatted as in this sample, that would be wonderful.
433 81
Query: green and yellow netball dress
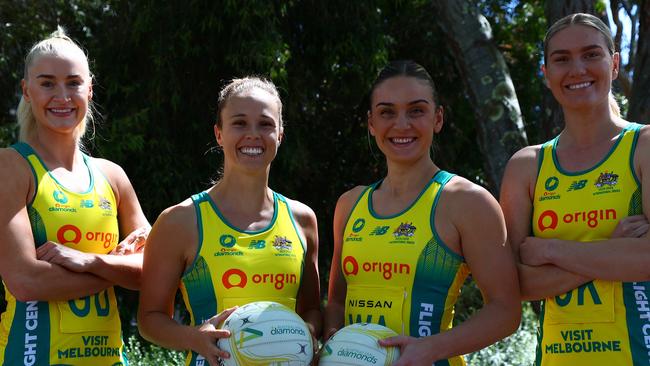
234 267
83 331
398 271
600 322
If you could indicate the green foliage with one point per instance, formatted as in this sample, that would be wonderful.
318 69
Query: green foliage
142 353
8 135
515 350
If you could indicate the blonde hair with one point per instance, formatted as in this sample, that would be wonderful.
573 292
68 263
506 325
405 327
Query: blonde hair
54 45
591 21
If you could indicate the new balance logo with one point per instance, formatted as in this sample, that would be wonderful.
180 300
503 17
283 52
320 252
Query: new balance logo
379 230
577 185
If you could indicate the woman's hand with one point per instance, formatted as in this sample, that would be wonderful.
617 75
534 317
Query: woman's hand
535 251
631 227
71 259
413 351
133 243
207 335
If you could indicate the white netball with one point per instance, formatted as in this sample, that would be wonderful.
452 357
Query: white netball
266 333
356 345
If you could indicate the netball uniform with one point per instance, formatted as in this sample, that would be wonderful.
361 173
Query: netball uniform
83 331
234 267
600 322
398 271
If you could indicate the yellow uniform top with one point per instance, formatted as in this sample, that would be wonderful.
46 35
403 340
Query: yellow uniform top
235 267
600 322
80 332
398 271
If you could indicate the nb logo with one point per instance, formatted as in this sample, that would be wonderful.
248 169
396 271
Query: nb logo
577 185
380 230
257 244
87 204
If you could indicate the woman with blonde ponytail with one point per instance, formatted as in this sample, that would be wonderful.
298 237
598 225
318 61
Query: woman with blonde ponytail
576 209
62 217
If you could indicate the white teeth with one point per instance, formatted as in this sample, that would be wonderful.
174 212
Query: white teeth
57 110
251 150
580 86
401 140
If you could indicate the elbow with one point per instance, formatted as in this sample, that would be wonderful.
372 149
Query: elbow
507 313
528 290
142 327
511 318
515 319
528 295
23 291
135 280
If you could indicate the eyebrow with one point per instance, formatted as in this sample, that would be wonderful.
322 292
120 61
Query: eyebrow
48 76
583 49
409 103
244 115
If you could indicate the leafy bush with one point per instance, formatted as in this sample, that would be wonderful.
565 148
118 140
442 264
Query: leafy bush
516 350
142 353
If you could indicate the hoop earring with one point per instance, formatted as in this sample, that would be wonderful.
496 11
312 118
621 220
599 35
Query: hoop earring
372 151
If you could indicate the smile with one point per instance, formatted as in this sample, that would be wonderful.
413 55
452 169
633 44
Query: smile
401 140
251 151
580 85
61 110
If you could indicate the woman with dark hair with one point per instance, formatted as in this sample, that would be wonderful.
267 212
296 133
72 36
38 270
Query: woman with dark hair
576 210
403 246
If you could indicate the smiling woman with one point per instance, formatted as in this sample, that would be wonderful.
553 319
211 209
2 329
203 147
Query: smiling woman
57 88
62 215
403 246
235 243
584 196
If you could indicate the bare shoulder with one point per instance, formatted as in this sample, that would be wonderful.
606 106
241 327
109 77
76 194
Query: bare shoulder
12 162
303 214
521 171
466 194
181 216
641 153
525 159
15 173
349 198
644 138
175 232
111 170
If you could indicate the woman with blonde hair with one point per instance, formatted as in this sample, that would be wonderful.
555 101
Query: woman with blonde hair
63 214
576 209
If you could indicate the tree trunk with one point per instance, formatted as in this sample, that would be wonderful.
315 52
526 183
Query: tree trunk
487 79
557 9
553 118
639 110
